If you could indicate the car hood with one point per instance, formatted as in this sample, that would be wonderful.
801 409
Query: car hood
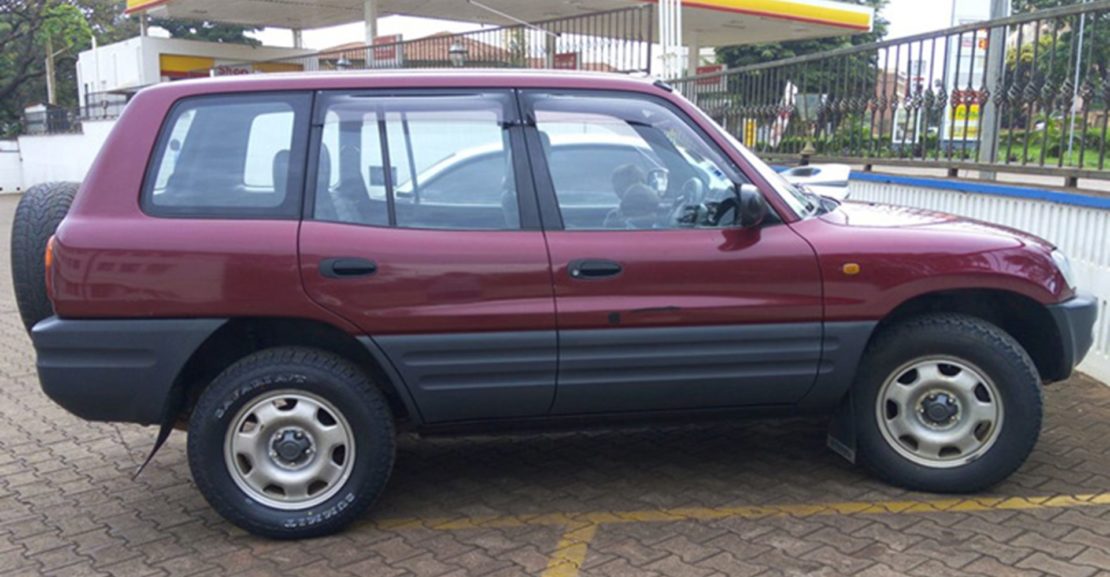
860 215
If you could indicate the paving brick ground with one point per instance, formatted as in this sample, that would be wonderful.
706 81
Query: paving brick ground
69 507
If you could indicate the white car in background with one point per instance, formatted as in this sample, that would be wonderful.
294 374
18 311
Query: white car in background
829 180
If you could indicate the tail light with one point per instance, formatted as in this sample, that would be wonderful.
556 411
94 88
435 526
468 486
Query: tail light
48 262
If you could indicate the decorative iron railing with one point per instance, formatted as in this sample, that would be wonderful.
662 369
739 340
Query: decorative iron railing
51 121
1026 94
61 120
610 41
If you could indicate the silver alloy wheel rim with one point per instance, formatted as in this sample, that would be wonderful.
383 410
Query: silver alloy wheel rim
262 436
915 412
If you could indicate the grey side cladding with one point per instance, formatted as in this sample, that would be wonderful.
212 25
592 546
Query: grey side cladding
685 368
456 377
845 343
116 370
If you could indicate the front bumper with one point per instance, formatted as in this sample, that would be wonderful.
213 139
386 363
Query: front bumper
116 370
1075 322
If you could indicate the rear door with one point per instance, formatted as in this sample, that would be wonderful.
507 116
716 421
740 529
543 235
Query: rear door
664 302
423 231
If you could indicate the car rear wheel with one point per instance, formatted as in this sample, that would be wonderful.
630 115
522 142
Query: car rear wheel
291 443
37 217
946 403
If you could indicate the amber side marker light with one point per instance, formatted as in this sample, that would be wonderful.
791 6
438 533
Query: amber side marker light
851 269
48 266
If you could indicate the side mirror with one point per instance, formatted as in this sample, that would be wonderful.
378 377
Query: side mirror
752 207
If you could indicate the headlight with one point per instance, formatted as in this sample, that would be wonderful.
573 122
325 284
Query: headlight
1064 265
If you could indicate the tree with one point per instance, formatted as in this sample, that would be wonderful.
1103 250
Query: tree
1023 6
64 35
208 31
27 27
108 21
1041 73
21 22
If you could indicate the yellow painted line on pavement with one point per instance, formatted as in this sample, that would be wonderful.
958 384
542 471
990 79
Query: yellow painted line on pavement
802 510
571 551
579 528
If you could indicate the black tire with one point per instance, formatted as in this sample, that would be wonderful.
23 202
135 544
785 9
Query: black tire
316 372
988 348
38 215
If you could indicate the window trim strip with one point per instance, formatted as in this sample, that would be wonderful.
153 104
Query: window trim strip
523 174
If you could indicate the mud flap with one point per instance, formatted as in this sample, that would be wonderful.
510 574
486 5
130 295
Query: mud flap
163 434
174 403
842 430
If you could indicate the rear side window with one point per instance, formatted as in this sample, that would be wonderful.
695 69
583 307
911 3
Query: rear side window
230 156
434 161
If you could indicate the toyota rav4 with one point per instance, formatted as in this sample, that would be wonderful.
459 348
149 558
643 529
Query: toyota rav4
293 268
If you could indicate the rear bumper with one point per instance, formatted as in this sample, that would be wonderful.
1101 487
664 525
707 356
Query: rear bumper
116 370
1075 322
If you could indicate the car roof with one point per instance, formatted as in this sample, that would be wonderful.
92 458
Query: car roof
411 78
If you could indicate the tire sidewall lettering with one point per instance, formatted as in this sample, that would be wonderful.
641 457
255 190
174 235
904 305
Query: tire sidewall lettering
257 386
314 518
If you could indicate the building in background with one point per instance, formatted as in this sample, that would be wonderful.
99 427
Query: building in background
107 74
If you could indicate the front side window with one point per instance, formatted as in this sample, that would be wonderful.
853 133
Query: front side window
802 204
620 163
440 162
230 156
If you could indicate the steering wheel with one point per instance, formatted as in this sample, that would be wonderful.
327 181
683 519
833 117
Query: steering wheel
693 191
688 208
684 215
717 212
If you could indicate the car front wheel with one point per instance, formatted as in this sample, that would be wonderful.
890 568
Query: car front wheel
291 443
946 403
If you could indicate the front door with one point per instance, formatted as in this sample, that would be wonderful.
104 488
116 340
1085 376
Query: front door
663 301
424 233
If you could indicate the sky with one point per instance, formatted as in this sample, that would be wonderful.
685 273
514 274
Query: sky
907 17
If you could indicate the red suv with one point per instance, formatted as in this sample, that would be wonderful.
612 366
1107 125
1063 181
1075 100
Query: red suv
295 267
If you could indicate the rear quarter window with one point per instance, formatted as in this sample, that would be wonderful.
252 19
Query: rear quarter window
230 156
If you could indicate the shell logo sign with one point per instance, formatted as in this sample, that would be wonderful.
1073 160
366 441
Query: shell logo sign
178 66
139 5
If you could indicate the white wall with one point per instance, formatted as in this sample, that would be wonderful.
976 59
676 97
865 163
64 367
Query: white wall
62 157
135 62
11 167
1082 233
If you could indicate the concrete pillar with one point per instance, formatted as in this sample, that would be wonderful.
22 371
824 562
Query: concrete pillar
990 120
693 55
298 38
550 47
670 38
370 15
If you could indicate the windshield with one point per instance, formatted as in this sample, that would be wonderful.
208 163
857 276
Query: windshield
803 204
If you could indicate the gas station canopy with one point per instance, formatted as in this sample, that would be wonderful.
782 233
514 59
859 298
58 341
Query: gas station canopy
712 22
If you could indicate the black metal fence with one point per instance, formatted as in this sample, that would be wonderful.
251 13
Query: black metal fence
1025 94
103 105
611 41
61 120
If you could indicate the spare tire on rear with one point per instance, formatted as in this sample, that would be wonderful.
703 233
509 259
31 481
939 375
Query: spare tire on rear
38 215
